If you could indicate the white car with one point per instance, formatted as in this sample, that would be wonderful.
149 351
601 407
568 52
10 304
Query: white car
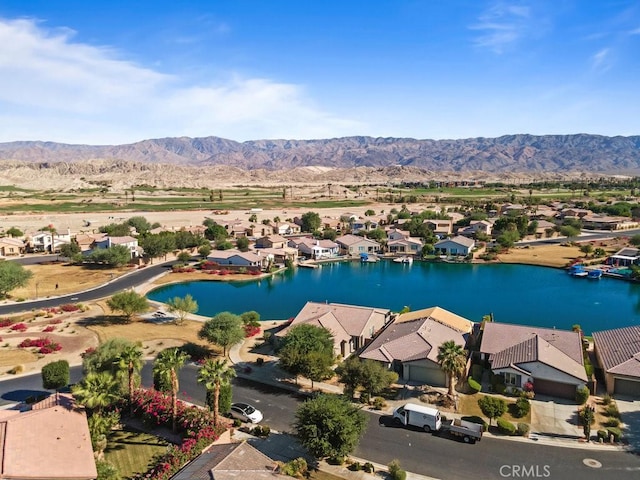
246 413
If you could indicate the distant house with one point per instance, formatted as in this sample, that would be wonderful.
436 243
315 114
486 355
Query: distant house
542 226
512 209
551 359
355 245
577 213
410 344
476 227
238 258
10 247
411 245
366 225
458 245
49 441
286 228
625 257
316 249
271 241
618 354
227 461
604 222
279 255
86 240
397 234
351 325
440 227
239 228
129 242
48 241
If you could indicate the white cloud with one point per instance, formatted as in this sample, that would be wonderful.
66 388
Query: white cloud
501 25
635 31
600 60
52 88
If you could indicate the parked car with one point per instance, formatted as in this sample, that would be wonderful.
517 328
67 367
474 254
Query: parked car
246 412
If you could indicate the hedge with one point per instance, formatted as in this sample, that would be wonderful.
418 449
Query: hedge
523 429
616 432
473 385
521 408
582 394
55 375
506 427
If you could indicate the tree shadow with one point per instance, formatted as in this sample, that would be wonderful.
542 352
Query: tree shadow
103 321
24 395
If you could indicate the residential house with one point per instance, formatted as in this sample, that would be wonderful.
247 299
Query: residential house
355 245
240 228
625 257
457 245
288 228
476 227
238 258
129 242
271 241
10 247
49 441
329 223
441 228
315 249
542 227
227 461
410 245
514 209
279 255
352 326
363 224
410 344
48 241
86 240
577 213
550 359
618 354
397 234
604 222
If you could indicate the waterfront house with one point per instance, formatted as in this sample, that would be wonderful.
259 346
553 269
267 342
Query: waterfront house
410 245
625 257
51 440
475 227
315 249
457 245
279 255
10 247
238 258
271 241
409 345
618 355
397 234
351 326
355 245
550 359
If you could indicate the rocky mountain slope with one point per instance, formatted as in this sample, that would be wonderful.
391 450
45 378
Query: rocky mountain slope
203 162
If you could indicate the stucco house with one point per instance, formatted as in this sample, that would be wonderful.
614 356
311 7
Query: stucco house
411 245
410 344
355 245
238 258
271 241
618 354
625 257
551 359
476 227
48 241
316 249
440 227
457 245
130 243
288 228
10 247
49 441
351 325
397 234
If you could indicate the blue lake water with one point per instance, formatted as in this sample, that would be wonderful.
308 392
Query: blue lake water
521 294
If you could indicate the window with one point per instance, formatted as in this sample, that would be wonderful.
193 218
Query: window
512 379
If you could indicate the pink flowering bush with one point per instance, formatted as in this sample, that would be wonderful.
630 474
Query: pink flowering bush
19 327
53 310
69 307
208 265
251 331
528 387
44 345
55 321
49 328
6 322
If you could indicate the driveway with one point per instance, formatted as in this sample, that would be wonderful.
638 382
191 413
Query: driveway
554 417
630 415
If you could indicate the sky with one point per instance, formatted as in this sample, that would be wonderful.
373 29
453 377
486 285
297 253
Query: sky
113 72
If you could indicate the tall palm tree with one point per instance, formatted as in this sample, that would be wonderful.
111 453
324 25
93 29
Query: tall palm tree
215 374
452 359
166 366
97 391
130 360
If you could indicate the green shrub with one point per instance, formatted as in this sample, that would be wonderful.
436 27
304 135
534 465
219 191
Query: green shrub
379 403
355 467
237 422
612 422
603 435
616 432
612 411
606 399
505 426
295 468
478 420
521 408
523 429
261 430
476 372
368 467
55 375
500 388
473 385
395 472
17 369
582 395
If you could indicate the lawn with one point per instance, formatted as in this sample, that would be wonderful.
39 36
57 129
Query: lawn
546 255
132 452
468 405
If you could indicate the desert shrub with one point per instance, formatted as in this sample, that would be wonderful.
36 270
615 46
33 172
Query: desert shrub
379 403
582 395
237 422
478 420
395 472
612 411
612 422
17 369
261 431
505 426
368 467
6 322
355 467
615 432
521 408
603 435
606 399
522 429
476 372
295 468
474 386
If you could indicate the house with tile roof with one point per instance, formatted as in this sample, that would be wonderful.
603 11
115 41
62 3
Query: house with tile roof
409 345
11 247
238 258
618 354
49 441
127 241
553 360
476 227
410 245
352 326
625 257
457 245
271 241
355 245
314 248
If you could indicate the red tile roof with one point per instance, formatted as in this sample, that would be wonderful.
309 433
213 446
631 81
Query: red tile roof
619 350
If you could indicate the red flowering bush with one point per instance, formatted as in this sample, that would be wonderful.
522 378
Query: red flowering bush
69 307
55 321
88 351
208 265
528 387
44 345
53 310
181 269
255 272
251 330
49 329
6 322
19 327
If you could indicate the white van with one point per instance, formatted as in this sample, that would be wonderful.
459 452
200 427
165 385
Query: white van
427 418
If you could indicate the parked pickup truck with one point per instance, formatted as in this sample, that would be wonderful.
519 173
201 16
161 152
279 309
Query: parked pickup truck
430 420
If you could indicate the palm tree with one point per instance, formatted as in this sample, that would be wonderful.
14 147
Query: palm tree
166 366
452 359
215 374
97 391
130 360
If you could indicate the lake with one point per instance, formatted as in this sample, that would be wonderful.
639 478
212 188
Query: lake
521 294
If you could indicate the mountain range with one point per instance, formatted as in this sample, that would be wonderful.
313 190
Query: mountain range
507 154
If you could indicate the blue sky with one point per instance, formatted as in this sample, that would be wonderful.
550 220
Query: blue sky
109 72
